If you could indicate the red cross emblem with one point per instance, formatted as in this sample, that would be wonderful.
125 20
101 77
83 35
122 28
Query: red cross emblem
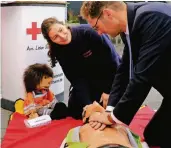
34 31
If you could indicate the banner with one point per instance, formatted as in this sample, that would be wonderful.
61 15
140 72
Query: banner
23 45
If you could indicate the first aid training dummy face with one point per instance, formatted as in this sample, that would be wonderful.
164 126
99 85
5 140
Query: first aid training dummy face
116 135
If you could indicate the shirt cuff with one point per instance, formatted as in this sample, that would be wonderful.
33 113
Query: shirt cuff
115 119
109 108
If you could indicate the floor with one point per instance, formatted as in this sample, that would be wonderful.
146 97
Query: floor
5 114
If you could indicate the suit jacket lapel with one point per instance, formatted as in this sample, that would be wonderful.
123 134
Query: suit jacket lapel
123 37
130 15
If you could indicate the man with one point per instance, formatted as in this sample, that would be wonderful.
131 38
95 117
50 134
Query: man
145 29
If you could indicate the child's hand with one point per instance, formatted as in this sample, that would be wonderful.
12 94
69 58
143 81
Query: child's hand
104 99
45 102
33 115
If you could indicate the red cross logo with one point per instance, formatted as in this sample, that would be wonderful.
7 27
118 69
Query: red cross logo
34 31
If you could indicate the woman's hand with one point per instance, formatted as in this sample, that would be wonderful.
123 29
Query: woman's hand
104 99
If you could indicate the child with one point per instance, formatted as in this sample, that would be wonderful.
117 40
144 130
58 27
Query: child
39 100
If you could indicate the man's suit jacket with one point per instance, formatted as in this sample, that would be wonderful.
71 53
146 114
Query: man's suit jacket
149 26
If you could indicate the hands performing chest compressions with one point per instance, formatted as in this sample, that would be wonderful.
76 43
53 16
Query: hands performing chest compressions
113 135
98 119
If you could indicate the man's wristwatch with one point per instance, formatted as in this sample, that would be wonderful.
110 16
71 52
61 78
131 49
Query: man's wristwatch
110 119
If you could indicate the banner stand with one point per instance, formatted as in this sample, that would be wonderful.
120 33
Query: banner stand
22 44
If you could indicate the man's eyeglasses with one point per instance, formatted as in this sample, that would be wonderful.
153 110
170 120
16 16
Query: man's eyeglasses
95 26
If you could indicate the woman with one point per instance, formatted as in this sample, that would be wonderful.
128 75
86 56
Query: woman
89 61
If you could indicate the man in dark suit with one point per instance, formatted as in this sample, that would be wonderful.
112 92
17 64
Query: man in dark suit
145 29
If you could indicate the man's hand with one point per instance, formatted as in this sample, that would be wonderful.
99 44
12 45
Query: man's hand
99 120
97 125
104 99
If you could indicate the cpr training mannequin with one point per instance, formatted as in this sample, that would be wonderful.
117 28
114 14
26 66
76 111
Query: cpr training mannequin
39 100
85 136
